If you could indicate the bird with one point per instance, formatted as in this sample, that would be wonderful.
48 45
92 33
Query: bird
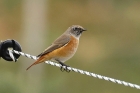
63 48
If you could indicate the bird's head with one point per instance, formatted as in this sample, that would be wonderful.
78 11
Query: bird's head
76 30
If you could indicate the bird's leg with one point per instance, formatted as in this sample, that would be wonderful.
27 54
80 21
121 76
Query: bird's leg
63 69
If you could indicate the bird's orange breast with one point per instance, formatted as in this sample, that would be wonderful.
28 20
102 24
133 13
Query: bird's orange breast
65 52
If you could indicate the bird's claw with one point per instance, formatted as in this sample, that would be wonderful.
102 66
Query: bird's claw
64 68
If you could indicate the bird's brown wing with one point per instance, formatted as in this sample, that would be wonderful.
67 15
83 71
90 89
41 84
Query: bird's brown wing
59 42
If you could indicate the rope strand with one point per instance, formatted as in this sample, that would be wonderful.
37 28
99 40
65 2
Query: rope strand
82 71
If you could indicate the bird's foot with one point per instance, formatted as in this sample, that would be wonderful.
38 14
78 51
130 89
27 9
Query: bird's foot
64 67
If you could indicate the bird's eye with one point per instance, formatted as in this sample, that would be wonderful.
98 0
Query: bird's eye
75 28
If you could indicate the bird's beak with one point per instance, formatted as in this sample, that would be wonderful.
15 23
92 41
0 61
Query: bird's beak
84 30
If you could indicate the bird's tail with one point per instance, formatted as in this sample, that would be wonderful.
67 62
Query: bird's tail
40 60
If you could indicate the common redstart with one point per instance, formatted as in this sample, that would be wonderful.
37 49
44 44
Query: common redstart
63 48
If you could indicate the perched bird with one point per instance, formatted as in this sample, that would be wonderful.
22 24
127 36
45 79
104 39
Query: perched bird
63 48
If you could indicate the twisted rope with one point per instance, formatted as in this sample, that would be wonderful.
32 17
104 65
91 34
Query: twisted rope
82 71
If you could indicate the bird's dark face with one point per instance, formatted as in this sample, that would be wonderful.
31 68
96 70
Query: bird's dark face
77 30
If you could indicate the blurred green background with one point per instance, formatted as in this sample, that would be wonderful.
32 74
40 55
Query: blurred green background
110 47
